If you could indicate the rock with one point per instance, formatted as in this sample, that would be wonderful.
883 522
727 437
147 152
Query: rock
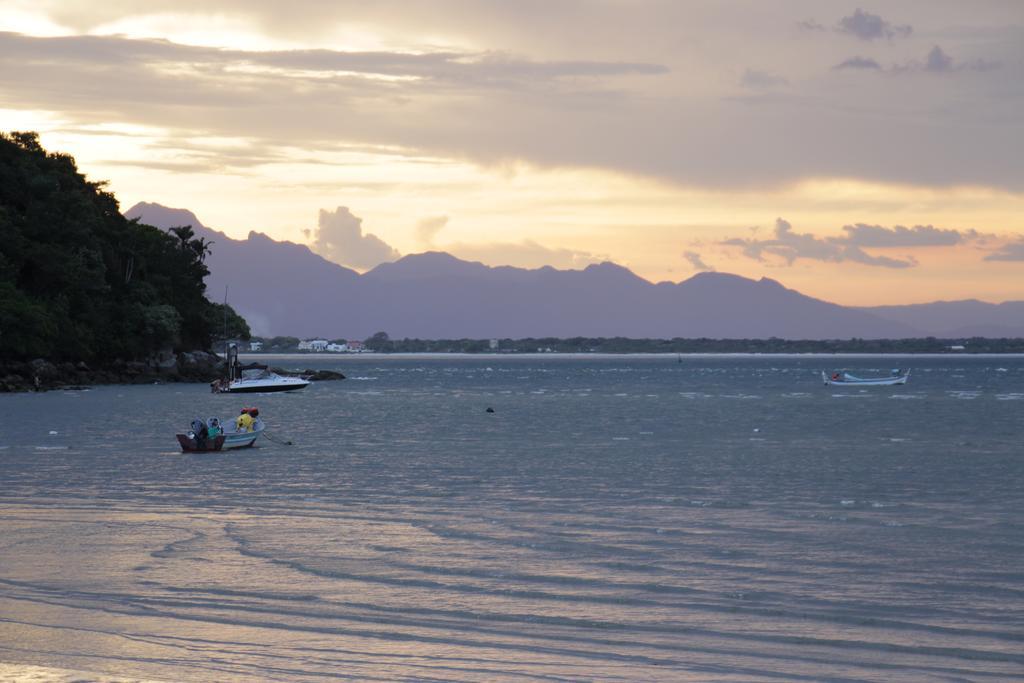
167 366
321 375
134 368
13 383
199 360
44 370
200 365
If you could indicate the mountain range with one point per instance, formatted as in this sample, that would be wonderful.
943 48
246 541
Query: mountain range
282 288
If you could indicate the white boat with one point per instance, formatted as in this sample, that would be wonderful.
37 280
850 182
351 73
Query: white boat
843 378
255 378
243 439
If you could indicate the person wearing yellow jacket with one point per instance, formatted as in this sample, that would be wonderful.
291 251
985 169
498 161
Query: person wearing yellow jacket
244 421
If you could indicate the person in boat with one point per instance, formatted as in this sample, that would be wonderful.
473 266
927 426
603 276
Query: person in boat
213 428
836 377
244 421
200 433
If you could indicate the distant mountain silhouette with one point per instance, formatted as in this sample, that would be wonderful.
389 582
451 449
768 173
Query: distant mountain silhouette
967 318
283 288
276 286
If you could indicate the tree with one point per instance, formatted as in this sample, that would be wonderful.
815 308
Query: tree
227 324
80 282
379 342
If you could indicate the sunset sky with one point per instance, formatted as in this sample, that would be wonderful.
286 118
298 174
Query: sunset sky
865 153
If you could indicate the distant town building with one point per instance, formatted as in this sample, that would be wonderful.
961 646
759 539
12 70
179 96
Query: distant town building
314 345
494 344
255 345
356 347
957 347
337 348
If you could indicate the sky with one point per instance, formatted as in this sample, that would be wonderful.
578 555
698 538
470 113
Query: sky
865 153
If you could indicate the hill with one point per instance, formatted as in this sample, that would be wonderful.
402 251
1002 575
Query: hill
80 282
283 288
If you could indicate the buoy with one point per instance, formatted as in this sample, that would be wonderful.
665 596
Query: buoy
489 410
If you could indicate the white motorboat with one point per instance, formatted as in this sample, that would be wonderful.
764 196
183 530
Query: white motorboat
253 378
843 378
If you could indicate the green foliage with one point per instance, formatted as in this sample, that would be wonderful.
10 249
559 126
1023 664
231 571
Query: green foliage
222 315
380 342
80 282
281 344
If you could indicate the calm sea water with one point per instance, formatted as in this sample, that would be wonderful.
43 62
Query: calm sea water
615 519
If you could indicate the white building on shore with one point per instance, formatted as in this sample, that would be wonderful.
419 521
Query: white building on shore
314 345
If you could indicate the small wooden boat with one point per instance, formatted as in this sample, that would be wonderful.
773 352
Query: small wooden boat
224 441
843 378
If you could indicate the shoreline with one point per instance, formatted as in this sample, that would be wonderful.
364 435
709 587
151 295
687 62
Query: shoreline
41 376
44 375
608 355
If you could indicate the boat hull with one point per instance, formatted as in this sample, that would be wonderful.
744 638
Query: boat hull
233 440
857 382
240 440
189 445
263 386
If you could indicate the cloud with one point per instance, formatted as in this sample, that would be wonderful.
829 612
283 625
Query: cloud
427 229
696 261
753 78
867 26
596 106
937 61
858 63
525 254
1014 251
339 237
809 25
863 235
791 246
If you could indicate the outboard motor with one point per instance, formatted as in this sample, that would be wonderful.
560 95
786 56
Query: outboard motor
199 428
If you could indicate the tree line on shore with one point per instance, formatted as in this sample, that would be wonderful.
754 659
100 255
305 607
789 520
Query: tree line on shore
382 343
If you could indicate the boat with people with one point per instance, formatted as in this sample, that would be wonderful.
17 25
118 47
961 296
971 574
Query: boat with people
211 435
844 378
253 378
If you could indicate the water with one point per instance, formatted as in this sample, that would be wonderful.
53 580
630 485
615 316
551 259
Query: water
615 519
